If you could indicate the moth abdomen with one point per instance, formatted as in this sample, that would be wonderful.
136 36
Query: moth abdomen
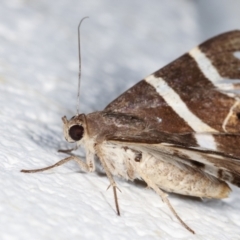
128 163
183 180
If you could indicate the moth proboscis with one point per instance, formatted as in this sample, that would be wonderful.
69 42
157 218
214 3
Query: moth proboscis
178 129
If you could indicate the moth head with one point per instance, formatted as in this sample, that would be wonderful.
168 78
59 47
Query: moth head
74 129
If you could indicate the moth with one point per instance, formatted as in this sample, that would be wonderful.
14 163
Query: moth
178 129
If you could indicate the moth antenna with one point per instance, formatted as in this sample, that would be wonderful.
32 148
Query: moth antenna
80 65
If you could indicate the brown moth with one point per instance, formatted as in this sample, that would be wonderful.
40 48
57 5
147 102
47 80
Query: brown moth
178 129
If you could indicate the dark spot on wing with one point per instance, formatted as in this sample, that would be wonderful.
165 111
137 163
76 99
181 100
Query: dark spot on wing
125 148
220 173
236 181
238 115
197 164
138 157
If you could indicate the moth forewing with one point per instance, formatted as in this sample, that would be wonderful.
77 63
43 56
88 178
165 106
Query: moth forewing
178 129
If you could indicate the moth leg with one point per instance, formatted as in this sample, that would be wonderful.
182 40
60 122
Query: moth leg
112 183
165 199
110 177
84 166
68 150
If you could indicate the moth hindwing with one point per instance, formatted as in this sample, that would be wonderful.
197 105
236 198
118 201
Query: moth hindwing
178 129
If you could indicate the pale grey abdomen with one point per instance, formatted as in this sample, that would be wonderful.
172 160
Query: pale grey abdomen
124 162
181 180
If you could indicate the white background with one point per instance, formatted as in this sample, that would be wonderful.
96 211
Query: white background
122 42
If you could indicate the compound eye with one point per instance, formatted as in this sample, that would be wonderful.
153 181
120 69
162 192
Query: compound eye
76 132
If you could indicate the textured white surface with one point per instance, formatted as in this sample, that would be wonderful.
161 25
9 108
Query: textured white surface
122 42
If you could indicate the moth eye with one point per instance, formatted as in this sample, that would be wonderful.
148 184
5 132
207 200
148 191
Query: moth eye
76 132
238 115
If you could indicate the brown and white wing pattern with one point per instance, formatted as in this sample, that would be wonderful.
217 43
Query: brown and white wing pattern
191 108
198 92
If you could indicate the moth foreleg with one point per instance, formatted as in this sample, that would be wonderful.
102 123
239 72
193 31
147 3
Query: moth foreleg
165 199
84 166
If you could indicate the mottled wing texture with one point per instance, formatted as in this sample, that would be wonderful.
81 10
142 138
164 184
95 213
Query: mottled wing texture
191 110
198 92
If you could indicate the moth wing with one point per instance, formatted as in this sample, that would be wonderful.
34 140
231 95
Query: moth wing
210 158
198 92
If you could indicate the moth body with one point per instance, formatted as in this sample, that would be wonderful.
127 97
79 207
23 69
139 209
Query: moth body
178 129
128 163
181 180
